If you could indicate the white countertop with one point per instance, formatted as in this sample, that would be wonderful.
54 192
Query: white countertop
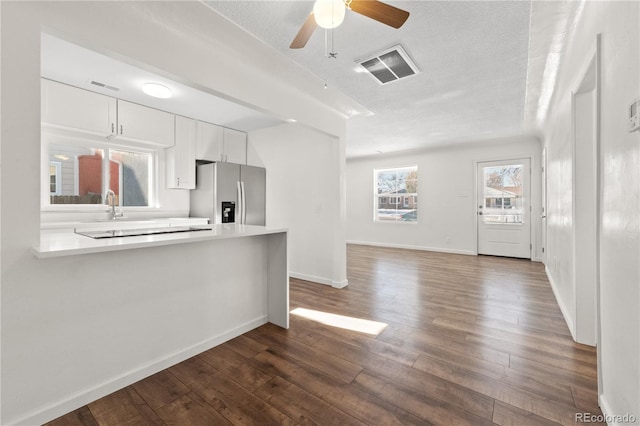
56 244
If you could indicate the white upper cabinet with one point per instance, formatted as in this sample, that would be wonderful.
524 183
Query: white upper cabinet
216 143
78 109
181 159
143 124
209 142
235 146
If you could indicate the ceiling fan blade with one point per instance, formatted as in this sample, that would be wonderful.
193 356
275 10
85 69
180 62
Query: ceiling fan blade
305 32
381 12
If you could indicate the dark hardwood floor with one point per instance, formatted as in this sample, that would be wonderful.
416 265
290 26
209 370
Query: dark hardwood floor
468 341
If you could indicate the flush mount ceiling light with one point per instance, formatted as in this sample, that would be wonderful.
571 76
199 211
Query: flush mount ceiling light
157 90
329 13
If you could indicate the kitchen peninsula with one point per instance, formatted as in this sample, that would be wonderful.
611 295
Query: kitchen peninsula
149 302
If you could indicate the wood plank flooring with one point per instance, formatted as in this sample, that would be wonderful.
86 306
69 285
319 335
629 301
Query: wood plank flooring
468 341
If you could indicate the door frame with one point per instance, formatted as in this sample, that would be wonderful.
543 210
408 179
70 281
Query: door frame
592 62
532 161
543 205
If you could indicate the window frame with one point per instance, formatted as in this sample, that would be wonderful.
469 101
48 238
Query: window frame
399 200
62 137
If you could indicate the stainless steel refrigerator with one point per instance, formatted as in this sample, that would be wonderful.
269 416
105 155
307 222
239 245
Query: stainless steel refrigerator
228 193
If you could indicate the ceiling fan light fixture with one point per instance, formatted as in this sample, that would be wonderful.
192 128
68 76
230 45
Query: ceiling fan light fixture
329 13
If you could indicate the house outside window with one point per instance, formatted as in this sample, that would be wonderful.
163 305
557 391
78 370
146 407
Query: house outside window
80 173
396 194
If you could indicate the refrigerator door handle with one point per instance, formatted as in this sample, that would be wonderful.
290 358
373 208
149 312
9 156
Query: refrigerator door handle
240 204
243 207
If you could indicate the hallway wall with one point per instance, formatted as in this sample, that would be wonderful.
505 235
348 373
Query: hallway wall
619 254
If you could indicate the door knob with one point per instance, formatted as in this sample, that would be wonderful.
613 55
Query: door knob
544 216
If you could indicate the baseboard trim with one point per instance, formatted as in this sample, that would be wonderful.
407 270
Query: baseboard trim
319 280
412 247
340 284
611 418
73 402
565 314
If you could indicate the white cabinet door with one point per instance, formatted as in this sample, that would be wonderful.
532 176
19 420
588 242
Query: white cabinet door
181 159
209 142
143 124
235 146
78 109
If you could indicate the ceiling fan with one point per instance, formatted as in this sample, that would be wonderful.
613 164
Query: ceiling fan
330 13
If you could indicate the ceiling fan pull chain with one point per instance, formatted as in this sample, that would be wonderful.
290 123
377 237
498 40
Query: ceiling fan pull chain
329 54
333 54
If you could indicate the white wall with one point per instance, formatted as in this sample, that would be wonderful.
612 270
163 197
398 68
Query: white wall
446 196
303 193
620 194
42 314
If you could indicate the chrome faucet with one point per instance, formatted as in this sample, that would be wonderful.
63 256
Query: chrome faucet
114 214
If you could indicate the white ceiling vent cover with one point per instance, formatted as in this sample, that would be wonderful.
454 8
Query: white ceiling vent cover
391 65
104 86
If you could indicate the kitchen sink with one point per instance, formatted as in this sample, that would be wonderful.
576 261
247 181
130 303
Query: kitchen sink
114 233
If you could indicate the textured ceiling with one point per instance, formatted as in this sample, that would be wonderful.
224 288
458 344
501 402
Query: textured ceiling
473 59
488 69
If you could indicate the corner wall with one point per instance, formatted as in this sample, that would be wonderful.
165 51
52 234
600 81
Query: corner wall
619 349
446 196
303 195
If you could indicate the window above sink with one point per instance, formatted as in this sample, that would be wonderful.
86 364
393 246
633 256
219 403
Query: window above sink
81 171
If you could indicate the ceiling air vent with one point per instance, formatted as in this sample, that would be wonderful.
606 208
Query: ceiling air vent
391 65
104 86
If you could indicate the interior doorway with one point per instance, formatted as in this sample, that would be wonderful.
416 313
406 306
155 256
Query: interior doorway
504 213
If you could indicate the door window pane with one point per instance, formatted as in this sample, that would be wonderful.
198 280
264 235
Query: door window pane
503 194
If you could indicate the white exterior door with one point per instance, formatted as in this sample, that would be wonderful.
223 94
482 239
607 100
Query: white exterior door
504 214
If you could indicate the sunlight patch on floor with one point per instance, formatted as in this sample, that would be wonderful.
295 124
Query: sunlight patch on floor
341 321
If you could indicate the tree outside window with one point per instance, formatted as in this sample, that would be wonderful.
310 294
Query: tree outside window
396 194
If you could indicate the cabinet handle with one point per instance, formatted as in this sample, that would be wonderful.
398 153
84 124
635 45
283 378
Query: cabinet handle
121 129
178 181
113 130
